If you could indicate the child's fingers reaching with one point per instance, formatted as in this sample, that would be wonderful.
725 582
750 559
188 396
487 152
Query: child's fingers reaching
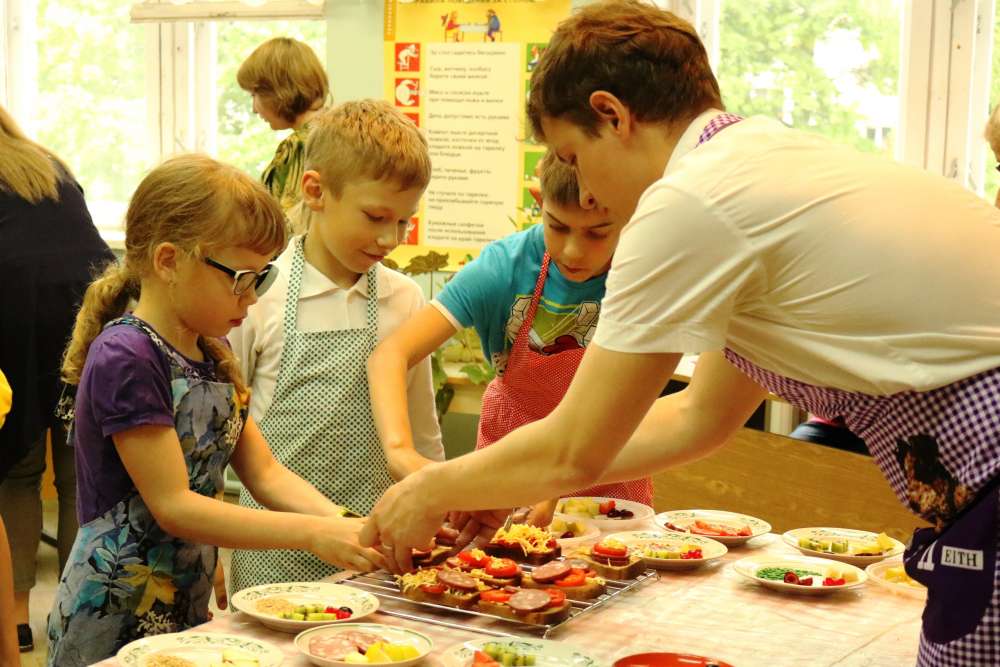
469 532
369 560
219 584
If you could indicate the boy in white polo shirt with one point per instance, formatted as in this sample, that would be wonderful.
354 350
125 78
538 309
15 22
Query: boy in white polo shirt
305 344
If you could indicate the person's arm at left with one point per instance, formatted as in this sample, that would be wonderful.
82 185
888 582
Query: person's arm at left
273 485
567 450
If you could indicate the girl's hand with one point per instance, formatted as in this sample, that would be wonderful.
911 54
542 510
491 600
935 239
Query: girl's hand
335 540
219 584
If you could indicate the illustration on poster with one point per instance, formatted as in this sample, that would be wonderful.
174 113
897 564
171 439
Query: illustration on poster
407 92
405 55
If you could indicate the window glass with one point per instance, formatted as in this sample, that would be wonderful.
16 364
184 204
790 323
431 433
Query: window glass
91 106
828 66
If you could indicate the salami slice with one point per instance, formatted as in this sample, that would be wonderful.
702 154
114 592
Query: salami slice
528 600
459 580
549 572
455 563
337 646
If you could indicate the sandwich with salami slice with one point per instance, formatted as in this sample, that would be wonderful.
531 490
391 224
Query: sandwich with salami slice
574 577
498 572
612 559
444 545
524 544
444 586
537 606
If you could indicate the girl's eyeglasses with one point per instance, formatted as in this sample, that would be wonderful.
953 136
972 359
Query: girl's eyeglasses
245 279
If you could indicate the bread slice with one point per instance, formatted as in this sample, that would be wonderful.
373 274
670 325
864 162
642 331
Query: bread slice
629 570
545 617
450 598
592 588
516 553
435 556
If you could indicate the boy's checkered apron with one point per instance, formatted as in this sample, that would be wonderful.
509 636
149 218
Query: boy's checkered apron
320 426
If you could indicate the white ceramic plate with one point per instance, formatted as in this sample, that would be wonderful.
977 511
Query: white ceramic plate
591 533
684 519
792 539
641 514
201 648
750 567
389 633
639 540
249 601
547 653
877 573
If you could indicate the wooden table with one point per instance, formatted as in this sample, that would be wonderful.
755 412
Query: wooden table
711 611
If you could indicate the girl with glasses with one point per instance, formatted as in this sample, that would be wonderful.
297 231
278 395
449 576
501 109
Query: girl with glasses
161 409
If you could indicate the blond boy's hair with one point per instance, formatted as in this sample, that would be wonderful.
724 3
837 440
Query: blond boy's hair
367 139
558 181
287 75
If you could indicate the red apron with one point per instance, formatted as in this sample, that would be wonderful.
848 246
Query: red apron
531 387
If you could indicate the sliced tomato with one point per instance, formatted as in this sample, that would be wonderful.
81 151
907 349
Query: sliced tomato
433 589
483 660
610 550
606 507
744 531
556 597
501 567
574 578
495 595
474 559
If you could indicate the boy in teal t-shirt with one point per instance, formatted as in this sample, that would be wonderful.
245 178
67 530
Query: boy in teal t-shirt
494 294
494 291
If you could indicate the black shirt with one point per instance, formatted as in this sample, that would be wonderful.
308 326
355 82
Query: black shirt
49 253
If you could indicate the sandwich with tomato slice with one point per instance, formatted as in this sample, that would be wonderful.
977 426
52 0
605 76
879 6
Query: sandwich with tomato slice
612 559
443 586
498 572
545 606
574 577
524 544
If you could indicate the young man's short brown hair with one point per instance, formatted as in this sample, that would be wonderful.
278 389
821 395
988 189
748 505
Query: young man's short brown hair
367 139
287 75
650 59
558 181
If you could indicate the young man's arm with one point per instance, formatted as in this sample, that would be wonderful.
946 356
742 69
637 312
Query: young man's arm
409 344
572 447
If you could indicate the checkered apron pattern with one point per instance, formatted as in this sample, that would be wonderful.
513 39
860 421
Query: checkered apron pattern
320 426
531 387
940 450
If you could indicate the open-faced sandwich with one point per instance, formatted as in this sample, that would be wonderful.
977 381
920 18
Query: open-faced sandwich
525 544
528 605
575 577
497 572
435 556
444 586
612 559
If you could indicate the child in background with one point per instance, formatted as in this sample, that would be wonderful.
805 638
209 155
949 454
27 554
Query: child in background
534 299
289 87
305 344
161 410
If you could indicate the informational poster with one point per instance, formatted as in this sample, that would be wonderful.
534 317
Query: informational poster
461 71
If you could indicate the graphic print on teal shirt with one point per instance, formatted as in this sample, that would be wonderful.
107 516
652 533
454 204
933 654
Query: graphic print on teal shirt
493 293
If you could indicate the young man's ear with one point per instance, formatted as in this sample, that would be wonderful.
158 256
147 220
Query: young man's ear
612 111
312 190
